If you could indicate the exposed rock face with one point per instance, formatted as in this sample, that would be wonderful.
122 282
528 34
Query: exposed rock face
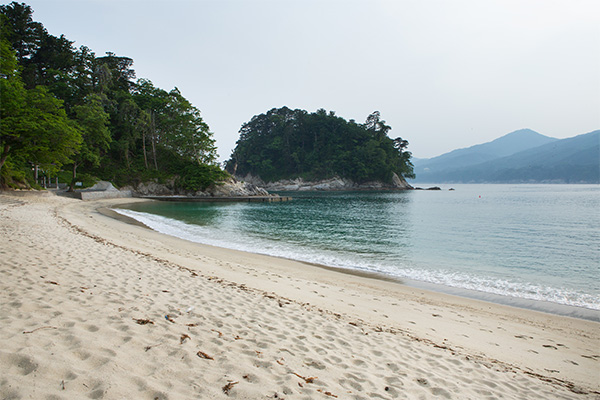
101 186
233 188
398 183
229 188
152 189
102 190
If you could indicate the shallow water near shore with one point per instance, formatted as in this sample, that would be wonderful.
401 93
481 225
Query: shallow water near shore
535 246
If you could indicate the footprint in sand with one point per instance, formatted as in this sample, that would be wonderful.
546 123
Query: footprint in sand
523 337
549 346
422 382
23 364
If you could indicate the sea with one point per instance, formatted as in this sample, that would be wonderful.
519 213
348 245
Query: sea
531 246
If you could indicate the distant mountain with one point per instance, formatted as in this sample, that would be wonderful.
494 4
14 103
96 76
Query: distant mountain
427 170
572 160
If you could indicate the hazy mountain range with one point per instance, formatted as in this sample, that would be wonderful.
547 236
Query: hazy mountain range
522 156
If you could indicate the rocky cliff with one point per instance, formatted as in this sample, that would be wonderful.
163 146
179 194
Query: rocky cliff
229 188
398 183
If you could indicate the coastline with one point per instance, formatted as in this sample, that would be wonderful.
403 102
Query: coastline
519 302
278 320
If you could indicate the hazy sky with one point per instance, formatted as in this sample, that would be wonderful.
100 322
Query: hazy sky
443 73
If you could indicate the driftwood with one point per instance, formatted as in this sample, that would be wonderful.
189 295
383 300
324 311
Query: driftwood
202 354
41 327
228 387
143 321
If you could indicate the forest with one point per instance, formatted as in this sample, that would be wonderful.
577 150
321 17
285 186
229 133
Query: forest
67 112
288 144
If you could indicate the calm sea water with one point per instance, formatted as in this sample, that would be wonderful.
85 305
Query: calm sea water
531 245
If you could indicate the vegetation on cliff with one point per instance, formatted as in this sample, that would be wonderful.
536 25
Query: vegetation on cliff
65 107
287 144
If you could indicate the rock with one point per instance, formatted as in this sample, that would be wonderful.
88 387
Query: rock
101 186
234 188
101 190
332 184
430 188
400 182
152 188
229 188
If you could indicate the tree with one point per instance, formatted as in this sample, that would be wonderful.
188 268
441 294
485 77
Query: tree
96 138
121 72
45 59
152 101
84 80
34 125
175 123
12 101
125 129
48 137
185 131
18 28
375 124
405 165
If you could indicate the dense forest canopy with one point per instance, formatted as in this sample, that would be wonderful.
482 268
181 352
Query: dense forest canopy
66 107
287 144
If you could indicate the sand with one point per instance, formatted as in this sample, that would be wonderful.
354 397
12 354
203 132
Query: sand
93 307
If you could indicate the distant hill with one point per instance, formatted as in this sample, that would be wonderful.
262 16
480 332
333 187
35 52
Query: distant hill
572 160
427 170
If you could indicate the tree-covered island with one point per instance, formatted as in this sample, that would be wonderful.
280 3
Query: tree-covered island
288 144
67 108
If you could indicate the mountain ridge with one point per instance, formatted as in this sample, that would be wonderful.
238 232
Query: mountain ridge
506 145
570 160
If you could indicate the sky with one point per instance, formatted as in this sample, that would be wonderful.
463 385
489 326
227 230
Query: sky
444 74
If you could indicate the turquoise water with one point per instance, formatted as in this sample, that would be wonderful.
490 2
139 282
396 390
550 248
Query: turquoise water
536 243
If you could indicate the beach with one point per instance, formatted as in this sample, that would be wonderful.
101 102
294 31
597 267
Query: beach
96 307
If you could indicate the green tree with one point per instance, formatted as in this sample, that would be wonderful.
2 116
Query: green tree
96 138
18 28
154 102
48 137
125 129
186 132
12 102
45 59
121 76
175 124
34 124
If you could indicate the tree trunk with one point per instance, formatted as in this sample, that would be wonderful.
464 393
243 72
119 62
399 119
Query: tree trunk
153 127
144 146
4 155
72 187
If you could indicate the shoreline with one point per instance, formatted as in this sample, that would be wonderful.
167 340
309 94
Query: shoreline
272 326
518 302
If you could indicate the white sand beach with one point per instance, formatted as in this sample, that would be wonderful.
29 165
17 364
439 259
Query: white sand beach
94 307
